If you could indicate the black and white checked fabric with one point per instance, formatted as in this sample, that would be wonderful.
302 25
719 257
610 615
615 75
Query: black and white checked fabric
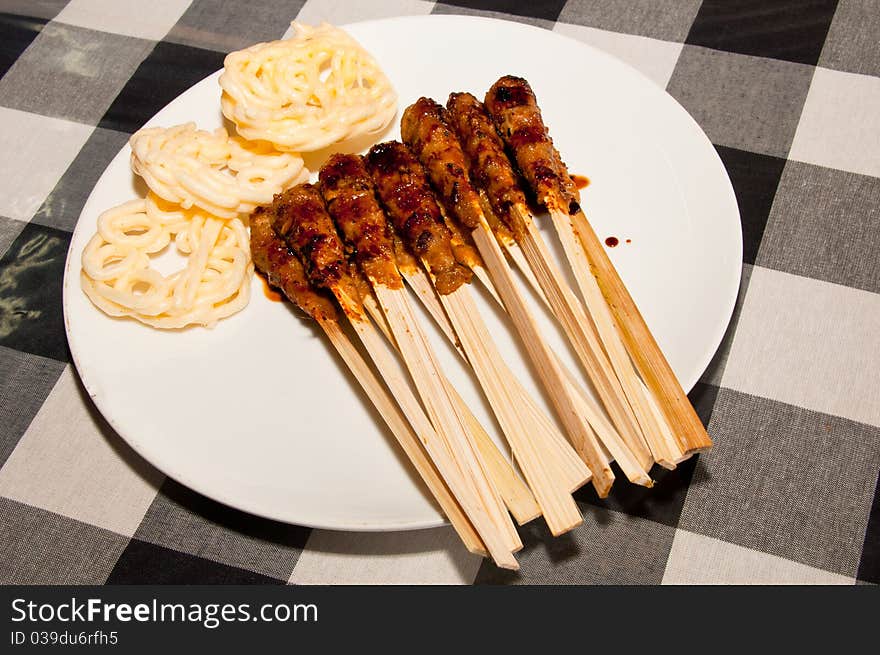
788 91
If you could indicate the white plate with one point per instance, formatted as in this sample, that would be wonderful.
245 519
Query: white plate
258 414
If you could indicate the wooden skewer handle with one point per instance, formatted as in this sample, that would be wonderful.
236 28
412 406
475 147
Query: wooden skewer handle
484 506
406 438
582 436
573 469
643 348
516 494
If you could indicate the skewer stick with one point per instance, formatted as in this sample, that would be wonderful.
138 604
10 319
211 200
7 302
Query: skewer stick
568 405
609 335
483 276
517 496
514 492
571 467
420 283
643 348
406 438
489 515
674 454
515 253
560 510
556 378
571 314
516 445
603 427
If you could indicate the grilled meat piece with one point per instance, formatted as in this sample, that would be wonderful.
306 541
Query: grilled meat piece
283 270
511 104
300 217
350 196
463 248
406 263
425 130
406 194
490 168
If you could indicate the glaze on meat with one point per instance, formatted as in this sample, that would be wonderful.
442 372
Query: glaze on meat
300 217
284 271
490 168
350 196
406 194
425 130
512 105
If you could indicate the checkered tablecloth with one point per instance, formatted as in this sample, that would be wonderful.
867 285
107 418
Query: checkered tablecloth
788 91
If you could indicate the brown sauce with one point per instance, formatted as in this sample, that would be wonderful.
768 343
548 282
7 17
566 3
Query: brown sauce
268 291
580 181
611 242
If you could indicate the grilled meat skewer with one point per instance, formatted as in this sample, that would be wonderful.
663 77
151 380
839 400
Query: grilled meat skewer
348 190
303 220
350 196
424 126
489 165
492 170
285 271
520 419
512 105
406 193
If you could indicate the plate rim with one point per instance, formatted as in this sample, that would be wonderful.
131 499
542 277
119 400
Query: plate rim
70 280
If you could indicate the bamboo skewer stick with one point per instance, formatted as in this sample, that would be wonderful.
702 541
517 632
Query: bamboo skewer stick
405 436
572 468
570 403
560 510
304 223
516 495
467 473
610 336
674 454
578 327
643 348
601 425
483 276
526 270
587 343
512 249
425 369
635 467
556 452
420 283
515 253
664 451
273 258
375 345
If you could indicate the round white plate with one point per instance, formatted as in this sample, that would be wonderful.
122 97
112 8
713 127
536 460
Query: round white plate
259 414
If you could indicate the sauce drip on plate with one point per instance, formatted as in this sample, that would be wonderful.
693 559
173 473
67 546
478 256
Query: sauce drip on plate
580 181
268 291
